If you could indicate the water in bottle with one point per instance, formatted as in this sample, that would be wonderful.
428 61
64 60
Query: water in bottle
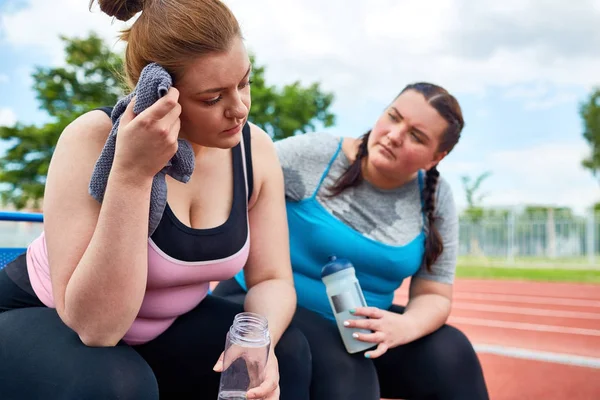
246 351
345 294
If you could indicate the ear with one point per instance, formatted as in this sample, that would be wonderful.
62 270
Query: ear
439 156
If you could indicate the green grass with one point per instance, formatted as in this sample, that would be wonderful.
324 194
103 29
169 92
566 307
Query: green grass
529 274
558 262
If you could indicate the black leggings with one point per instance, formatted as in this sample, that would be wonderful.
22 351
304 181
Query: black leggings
40 357
442 365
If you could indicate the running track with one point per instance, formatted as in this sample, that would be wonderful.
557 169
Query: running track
535 340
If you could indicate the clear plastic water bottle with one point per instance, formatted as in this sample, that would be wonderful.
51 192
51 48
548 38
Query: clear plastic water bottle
246 351
345 294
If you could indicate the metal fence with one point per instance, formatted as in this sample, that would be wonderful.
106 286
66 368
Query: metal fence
525 239
512 239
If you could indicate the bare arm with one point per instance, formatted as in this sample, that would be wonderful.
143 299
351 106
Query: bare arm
428 307
97 254
430 297
268 272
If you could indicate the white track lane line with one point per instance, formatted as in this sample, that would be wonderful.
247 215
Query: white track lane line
511 298
561 358
525 311
524 326
527 299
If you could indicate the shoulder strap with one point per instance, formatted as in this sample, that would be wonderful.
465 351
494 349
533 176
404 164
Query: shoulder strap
337 151
421 187
246 151
106 110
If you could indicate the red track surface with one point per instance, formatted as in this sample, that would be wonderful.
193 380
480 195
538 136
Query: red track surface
523 321
512 324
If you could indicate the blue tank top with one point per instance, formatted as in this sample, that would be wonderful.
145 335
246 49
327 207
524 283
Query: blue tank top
315 235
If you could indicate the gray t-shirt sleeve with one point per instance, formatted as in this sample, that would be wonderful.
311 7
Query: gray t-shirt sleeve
304 159
444 268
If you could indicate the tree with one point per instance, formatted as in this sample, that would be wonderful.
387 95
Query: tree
290 110
542 212
590 113
474 210
91 78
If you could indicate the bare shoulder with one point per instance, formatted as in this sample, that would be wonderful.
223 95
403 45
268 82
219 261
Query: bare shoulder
265 163
89 130
261 141
73 160
264 155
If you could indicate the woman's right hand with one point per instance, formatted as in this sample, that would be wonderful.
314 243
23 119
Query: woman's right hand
147 141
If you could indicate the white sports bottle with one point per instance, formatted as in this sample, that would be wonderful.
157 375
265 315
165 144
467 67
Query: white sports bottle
345 294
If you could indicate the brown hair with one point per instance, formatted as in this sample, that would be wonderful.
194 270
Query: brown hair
171 33
447 106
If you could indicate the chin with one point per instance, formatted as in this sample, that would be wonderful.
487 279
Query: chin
218 142
228 142
383 163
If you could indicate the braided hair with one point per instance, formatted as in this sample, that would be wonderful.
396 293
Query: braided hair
353 175
449 109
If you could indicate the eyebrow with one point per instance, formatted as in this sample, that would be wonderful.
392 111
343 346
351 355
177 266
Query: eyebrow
420 132
216 90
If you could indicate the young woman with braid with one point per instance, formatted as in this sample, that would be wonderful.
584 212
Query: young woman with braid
380 202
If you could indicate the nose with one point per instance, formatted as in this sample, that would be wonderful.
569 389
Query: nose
237 109
396 135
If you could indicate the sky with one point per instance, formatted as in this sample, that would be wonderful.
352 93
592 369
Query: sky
519 68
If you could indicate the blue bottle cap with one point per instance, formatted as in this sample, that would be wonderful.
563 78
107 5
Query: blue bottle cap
335 265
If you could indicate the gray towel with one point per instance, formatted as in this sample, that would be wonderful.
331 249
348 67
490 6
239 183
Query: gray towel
153 84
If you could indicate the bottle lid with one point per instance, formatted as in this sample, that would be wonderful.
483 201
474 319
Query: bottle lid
335 265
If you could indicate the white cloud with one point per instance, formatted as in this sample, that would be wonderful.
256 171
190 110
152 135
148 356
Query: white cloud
551 101
465 45
32 26
542 95
7 117
415 26
548 174
3 78
377 47
536 90
539 53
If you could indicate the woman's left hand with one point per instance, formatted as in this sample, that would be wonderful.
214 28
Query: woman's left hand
389 329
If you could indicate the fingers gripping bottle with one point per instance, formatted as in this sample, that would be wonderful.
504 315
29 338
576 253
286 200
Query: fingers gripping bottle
345 294
247 347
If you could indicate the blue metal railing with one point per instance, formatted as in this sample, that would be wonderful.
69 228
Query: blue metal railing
7 254
21 216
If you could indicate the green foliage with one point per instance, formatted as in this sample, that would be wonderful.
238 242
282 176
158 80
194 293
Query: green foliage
542 212
88 79
474 211
590 113
292 109
91 78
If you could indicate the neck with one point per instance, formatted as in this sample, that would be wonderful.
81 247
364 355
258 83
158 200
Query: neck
199 150
381 181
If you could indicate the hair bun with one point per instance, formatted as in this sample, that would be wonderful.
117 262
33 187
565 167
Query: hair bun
122 10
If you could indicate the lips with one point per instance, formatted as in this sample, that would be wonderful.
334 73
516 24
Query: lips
387 151
233 130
